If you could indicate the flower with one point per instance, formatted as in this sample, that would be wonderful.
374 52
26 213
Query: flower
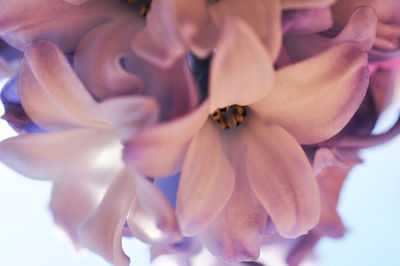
81 152
224 174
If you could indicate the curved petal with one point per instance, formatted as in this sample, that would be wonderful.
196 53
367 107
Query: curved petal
70 212
207 181
151 217
47 79
314 100
237 232
23 22
159 151
325 157
306 21
238 50
281 177
143 112
295 4
73 154
303 248
102 233
172 28
97 60
263 17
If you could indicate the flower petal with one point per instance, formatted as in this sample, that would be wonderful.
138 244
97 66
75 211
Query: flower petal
159 151
80 153
263 17
102 233
281 177
303 248
172 28
47 79
314 100
207 181
306 21
22 22
293 4
70 212
151 217
97 60
143 112
246 217
239 50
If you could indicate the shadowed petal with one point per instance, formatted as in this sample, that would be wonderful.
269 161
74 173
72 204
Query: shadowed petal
47 79
281 177
306 21
207 181
159 151
102 233
314 100
97 60
239 49
80 153
69 212
263 17
151 217
236 233
143 112
293 4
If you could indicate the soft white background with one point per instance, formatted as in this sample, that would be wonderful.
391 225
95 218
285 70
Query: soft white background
369 205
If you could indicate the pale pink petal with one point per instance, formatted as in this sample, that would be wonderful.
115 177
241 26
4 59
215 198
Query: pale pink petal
22 22
238 49
237 232
325 157
47 79
143 112
314 100
174 87
159 151
97 59
263 17
102 233
172 28
293 4
281 177
151 218
306 21
76 2
69 212
73 154
207 181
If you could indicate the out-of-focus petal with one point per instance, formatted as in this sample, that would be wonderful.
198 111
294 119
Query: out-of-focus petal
47 79
306 21
173 26
174 87
143 112
236 233
151 217
383 83
325 157
239 49
73 154
97 60
207 181
22 22
70 211
159 151
302 249
281 177
102 233
76 2
314 100
263 17
295 4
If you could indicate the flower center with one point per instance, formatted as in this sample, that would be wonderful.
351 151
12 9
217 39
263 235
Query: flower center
227 116
145 6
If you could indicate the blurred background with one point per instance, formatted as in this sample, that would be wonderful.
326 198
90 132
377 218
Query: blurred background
369 206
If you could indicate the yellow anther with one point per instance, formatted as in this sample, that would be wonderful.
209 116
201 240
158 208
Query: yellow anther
145 9
225 116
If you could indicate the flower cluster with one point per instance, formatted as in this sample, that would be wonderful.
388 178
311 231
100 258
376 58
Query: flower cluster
257 107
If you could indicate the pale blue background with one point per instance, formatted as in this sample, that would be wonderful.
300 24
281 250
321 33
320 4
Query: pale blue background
369 205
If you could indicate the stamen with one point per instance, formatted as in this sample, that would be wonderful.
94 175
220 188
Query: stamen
145 9
223 116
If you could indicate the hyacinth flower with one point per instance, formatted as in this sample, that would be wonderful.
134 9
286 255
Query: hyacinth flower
255 170
80 151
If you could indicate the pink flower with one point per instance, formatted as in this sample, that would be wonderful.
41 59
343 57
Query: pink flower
257 169
81 154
